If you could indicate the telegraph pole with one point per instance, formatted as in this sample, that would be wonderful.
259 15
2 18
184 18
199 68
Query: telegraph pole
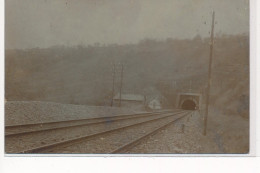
209 74
113 86
121 83
190 86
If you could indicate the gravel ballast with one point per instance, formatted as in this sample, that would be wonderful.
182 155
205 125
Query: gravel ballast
226 134
24 112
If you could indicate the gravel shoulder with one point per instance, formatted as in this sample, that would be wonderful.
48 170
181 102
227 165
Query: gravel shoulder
225 134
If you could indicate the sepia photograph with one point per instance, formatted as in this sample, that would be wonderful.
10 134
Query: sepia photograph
127 77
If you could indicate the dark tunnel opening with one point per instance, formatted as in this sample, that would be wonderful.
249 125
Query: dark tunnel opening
188 105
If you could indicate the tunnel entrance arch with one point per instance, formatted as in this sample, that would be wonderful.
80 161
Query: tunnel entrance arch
189 105
189 101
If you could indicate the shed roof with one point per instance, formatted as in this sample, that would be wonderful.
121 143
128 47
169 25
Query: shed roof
129 97
192 94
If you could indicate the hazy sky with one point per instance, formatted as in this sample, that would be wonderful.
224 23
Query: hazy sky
44 23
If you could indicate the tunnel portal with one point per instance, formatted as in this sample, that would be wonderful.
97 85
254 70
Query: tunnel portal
188 105
189 101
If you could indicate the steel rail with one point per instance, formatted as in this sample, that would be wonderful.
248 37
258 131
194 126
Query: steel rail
140 139
102 120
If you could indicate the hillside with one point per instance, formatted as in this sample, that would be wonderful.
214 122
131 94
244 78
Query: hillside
83 75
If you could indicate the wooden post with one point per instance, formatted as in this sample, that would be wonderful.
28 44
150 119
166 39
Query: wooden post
121 84
209 75
113 86
190 86
182 128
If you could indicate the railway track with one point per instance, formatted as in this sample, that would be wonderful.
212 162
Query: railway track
124 148
22 137
21 129
103 136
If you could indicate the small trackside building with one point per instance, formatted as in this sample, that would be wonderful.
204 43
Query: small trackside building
154 104
134 101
